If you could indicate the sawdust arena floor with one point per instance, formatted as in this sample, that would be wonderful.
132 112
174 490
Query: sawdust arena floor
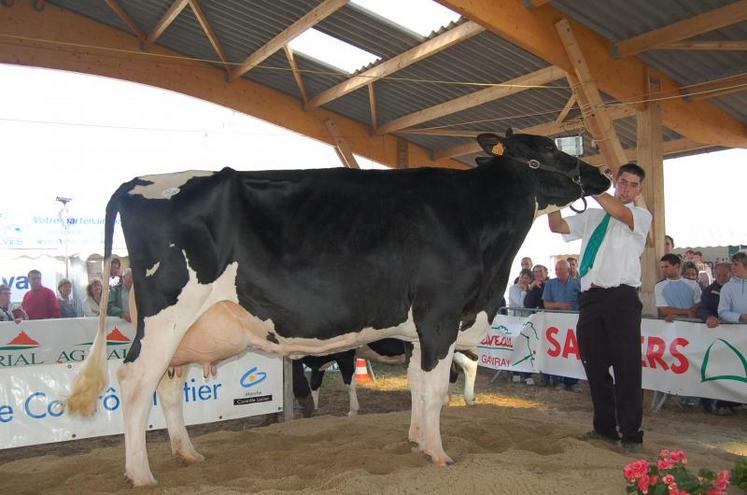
517 439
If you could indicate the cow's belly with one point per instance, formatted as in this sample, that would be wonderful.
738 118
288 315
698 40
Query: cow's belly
226 329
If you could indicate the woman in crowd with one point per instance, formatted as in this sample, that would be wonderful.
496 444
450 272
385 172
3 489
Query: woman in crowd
70 307
91 306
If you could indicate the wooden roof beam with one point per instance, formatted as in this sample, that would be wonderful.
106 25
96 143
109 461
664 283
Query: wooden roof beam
62 39
718 87
567 108
587 93
313 17
705 45
687 28
296 74
171 14
342 148
122 14
517 85
372 105
622 79
383 69
212 37
545 129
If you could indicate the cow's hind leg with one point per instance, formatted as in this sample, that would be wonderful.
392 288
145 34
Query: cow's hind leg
434 385
138 382
170 395
346 364
415 383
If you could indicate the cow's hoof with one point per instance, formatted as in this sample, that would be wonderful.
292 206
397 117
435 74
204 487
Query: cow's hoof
140 481
352 412
185 459
442 460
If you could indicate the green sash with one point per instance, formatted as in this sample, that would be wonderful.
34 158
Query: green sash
592 248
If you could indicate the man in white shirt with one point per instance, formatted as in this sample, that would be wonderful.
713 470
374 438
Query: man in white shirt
675 295
609 322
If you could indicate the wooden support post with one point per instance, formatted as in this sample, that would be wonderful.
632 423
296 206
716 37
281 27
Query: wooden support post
651 159
341 145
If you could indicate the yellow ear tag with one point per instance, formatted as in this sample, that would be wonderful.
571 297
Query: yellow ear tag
498 149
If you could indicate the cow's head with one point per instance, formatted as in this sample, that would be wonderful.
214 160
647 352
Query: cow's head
561 178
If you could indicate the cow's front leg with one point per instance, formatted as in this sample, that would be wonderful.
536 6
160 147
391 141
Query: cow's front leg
435 384
414 381
347 370
170 394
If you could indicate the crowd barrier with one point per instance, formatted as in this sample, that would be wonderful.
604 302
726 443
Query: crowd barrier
40 358
681 358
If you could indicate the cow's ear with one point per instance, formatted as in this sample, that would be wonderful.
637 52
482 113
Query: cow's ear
492 144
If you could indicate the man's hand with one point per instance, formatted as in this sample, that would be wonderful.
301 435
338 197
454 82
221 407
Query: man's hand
712 322
669 318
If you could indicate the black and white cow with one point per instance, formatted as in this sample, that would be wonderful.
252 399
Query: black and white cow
311 262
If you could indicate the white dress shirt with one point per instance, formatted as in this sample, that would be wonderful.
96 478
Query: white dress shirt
618 259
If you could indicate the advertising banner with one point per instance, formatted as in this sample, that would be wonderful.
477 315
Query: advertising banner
39 360
681 358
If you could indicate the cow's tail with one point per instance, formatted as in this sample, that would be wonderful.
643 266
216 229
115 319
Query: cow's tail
92 378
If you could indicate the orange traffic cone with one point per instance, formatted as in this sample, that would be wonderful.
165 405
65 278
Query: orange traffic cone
362 374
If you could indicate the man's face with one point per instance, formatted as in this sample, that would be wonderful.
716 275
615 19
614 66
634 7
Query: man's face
526 263
115 269
4 298
127 279
35 280
539 274
738 268
573 263
65 290
627 187
562 270
722 274
525 280
691 273
669 270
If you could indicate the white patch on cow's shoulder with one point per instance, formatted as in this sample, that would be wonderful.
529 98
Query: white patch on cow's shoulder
166 185
152 270
470 338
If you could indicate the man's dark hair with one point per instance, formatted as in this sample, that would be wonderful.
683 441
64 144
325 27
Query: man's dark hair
698 253
687 265
117 262
632 168
672 259
671 241
34 272
741 257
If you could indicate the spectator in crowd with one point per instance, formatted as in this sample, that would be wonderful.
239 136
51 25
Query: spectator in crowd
708 313
10 312
573 263
119 297
40 302
70 307
516 295
518 292
91 305
690 271
732 305
115 271
675 295
609 322
668 244
533 298
561 293
708 309
705 275
526 264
